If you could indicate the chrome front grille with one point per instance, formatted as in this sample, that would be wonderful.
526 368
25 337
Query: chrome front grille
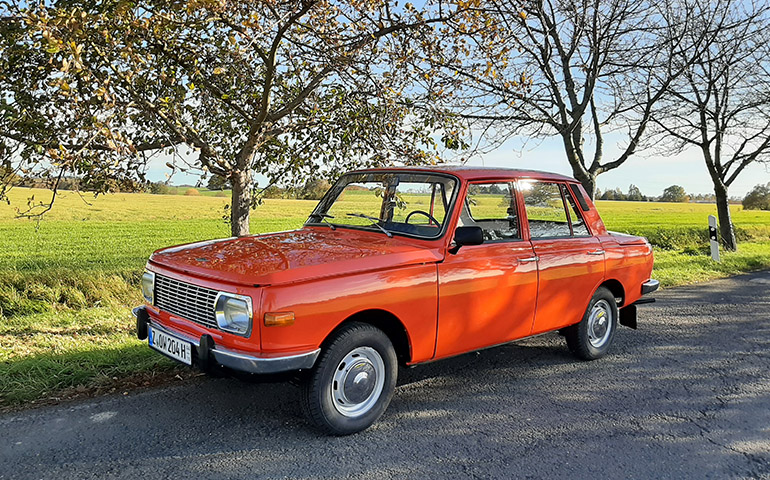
186 301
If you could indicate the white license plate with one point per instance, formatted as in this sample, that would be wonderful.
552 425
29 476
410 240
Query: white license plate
169 345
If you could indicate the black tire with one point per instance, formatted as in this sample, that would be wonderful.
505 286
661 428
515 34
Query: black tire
352 382
592 337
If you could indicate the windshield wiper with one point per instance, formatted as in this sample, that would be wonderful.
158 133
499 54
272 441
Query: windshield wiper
374 221
323 217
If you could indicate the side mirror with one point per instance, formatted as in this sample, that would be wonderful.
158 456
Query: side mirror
467 236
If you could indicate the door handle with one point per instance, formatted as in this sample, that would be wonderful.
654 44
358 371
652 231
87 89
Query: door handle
529 259
596 252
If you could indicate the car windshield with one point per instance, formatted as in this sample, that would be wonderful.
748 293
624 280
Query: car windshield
389 202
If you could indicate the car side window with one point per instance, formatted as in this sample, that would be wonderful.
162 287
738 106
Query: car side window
491 206
546 212
579 228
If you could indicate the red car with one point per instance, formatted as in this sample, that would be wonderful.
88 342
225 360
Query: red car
398 267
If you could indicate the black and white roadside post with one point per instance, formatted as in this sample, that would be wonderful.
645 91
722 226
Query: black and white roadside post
714 238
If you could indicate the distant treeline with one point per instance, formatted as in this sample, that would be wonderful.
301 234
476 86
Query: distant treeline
314 189
76 183
674 193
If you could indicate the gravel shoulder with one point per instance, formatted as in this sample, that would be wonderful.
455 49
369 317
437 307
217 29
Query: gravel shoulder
685 396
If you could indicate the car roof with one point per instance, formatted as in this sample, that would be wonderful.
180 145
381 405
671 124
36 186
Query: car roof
470 172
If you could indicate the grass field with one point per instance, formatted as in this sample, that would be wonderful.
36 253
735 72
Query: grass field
66 282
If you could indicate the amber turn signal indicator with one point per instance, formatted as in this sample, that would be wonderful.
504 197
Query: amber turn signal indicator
279 319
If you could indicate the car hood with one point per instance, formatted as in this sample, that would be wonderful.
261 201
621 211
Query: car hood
293 256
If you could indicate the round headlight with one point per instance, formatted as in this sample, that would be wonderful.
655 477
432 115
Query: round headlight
234 313
148 287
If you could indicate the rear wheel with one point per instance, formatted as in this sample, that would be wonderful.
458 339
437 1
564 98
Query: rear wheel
591 338
353 381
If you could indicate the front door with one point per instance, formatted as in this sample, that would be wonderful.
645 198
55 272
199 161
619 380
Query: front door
487 292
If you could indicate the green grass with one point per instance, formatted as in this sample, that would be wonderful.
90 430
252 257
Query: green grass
43 355
82 255
673 226
67 282
674 267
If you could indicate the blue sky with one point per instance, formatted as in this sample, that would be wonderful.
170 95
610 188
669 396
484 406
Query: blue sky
650 172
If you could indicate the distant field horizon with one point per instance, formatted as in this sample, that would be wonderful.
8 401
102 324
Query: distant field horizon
71 204
179 189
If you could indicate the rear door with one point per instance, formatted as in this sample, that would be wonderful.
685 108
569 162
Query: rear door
570 260
487 292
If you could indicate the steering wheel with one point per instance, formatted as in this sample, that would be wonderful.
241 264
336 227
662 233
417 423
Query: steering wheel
430 217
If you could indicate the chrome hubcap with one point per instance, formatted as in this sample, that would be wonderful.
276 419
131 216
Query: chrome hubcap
599 324
358 382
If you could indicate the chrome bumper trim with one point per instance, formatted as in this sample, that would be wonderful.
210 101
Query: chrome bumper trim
247 363
650 286
243 362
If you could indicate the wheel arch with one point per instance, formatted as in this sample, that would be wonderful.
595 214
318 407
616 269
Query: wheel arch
617 290
386 321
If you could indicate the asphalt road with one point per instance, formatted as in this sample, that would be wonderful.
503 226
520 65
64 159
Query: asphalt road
685 396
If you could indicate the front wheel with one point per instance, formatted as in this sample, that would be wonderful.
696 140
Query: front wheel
353 381
591 338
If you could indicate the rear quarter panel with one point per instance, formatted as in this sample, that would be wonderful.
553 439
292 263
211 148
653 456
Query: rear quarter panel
631 265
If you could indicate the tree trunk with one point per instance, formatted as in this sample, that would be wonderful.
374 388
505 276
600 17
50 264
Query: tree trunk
241 202
726 230
581 174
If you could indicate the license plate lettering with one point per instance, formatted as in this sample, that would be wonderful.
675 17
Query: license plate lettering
171 346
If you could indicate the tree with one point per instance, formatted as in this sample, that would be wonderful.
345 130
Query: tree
280 88
8 176
46 132
608 194
159 188
634 194
577 69
674 193
314 189
758 198
218 182
721 105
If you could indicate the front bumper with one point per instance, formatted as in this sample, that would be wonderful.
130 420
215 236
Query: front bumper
208 353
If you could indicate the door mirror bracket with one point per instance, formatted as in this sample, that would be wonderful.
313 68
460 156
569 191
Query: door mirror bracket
466 236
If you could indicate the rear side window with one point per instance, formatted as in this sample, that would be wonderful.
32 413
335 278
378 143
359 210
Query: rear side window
491 206
552 210
546 212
